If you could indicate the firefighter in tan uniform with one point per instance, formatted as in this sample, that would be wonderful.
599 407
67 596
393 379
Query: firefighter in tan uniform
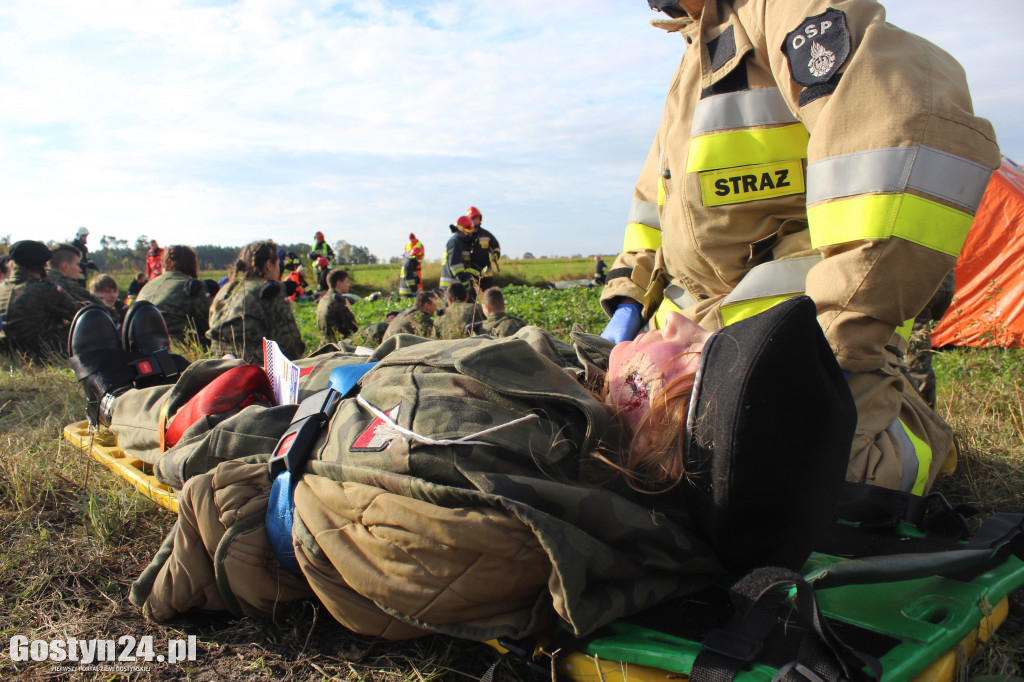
805 148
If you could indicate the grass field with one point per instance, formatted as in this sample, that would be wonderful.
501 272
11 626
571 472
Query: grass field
74 537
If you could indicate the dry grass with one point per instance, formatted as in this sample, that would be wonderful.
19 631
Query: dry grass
74 538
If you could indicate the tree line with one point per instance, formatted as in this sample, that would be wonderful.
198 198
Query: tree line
115 254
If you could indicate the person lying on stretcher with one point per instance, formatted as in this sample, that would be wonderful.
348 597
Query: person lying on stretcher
481 487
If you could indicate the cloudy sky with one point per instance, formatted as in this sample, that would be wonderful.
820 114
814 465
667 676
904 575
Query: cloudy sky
200 121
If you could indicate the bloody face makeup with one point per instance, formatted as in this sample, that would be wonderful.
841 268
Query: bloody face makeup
640 370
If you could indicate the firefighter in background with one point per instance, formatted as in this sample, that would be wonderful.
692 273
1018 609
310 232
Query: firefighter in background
80 243
154 260
412 268
323 268
458 263
291 262
805 148
321 249
296 283
486 250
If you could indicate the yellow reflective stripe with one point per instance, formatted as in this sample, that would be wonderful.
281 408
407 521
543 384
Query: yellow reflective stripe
741 311
746 147
924 460
906 328
880 216
666 306
641 237
661 191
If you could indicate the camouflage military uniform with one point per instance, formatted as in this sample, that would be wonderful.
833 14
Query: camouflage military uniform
533 528
919 350
183 302
334 318
79 294
501 324
452 324
243 312
36 315
411 321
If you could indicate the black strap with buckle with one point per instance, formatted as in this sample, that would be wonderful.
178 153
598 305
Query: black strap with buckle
296 443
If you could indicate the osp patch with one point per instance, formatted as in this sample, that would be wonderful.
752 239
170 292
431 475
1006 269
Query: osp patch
378 435
818 47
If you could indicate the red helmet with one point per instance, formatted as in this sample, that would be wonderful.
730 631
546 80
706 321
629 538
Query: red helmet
474 212
319 236
412 237
321 262
465 225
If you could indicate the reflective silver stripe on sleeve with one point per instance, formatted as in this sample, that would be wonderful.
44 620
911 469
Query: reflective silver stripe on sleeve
760 107
678 295
928 170
645 213
775 278
907 452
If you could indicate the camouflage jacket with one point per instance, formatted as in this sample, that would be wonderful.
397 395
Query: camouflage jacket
405 533
79 294
411 321
501 324
244 311
334 318
452 324
183 302
36 314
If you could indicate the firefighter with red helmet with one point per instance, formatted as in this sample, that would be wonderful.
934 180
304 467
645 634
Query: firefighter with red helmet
412 273
321 249
486 250
458 263
323 267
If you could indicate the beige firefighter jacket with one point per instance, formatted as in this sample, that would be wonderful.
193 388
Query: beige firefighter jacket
796 130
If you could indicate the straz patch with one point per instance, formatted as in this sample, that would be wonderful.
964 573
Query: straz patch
818 47
378 435
750 183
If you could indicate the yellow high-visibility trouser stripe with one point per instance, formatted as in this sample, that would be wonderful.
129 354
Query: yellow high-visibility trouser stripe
746 147
880 216
741 311
924 460
639 237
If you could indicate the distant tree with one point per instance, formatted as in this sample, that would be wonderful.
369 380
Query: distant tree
395 259
528 256
576 255
114 255
350 254
215 257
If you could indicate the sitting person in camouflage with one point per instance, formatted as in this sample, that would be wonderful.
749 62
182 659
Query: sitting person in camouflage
65 271
334 317
104 287
252 306
35 311
458 316
481 487
416 320
498 322
180 296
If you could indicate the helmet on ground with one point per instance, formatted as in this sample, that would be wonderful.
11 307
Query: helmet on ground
321 262
319 236
82 231
465 225
474 212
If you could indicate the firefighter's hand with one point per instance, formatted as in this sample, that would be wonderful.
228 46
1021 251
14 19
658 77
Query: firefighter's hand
625 323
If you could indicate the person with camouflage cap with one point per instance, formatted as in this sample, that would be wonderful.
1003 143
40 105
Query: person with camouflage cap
180 296
35 311
252 307
498 322
493 463
334 317
458 316
416 320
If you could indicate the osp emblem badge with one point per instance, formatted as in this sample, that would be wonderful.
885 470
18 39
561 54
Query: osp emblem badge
818 47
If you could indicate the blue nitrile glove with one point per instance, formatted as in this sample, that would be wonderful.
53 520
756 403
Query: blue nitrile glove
625 323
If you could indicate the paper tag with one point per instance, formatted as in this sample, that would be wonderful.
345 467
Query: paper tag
283 374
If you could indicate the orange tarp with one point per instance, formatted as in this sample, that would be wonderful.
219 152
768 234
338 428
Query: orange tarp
988 307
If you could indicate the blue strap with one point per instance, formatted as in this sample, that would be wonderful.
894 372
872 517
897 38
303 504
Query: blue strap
280 514
281 505
344 378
